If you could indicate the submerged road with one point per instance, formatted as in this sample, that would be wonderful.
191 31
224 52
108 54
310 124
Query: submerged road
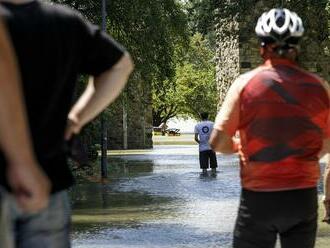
158 199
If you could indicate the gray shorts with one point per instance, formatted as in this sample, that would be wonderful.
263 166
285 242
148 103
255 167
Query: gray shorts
47 229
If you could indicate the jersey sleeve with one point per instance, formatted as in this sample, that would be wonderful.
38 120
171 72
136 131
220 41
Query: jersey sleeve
99 52
227 119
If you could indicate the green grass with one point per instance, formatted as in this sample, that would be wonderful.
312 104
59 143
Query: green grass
183 139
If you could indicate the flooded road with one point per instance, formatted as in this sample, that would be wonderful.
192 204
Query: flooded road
158 199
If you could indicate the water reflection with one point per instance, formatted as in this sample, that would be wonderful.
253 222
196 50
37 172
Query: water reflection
169 236
158 200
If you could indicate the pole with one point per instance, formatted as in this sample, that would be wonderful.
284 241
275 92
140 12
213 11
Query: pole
104 135
104 16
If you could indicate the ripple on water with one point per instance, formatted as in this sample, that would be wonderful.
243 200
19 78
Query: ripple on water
159 200
155 235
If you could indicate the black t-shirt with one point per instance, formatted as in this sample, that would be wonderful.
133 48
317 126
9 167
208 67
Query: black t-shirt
54 45
2 12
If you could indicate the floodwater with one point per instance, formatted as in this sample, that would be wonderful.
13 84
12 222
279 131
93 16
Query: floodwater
158 200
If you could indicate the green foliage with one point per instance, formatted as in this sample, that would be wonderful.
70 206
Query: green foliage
195 79
166 102
150 30
193 89
201 14
172 43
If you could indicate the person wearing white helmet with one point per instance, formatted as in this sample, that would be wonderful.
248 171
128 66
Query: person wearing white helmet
282 115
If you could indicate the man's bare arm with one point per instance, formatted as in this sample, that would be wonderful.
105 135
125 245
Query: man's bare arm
13 129
327 179
222 142
100 92
227 121
29 184
196 138
326 200
325 148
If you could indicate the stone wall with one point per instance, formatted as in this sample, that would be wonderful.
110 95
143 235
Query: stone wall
130 122
240 22
227 49
115 125
130 125
139 116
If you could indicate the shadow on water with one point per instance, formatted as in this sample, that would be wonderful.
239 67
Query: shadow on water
98 206
157 200
169 236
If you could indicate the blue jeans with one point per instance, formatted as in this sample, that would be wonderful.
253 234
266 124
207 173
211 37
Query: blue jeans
48 229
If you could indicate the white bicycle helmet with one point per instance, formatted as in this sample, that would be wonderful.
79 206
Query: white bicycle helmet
281 26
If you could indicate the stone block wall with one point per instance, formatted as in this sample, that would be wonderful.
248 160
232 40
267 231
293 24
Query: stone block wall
227 50
238 51
115 125
139 116
130 122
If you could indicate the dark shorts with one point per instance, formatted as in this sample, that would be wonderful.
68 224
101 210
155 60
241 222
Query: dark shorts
263 215
207 158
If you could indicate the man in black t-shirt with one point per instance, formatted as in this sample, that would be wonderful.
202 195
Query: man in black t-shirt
30 185
54 45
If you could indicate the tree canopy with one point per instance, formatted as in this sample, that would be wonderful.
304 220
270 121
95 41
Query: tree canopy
149 29
195 79
193 87
173 45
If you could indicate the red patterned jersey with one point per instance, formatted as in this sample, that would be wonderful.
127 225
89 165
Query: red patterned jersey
282 114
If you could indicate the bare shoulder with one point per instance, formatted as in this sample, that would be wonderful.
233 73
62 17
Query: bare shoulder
244 78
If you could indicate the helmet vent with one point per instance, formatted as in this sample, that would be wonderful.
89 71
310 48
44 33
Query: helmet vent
279 25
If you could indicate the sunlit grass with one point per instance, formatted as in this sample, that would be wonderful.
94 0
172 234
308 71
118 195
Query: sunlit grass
183 139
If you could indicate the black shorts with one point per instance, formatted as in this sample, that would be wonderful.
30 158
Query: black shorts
263 215
207 158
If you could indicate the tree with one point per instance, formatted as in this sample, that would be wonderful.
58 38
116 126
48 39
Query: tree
195 79
167 102
235 17
201 15
150 30
193 89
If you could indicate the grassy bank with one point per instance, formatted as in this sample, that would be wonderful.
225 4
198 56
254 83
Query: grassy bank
183 139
